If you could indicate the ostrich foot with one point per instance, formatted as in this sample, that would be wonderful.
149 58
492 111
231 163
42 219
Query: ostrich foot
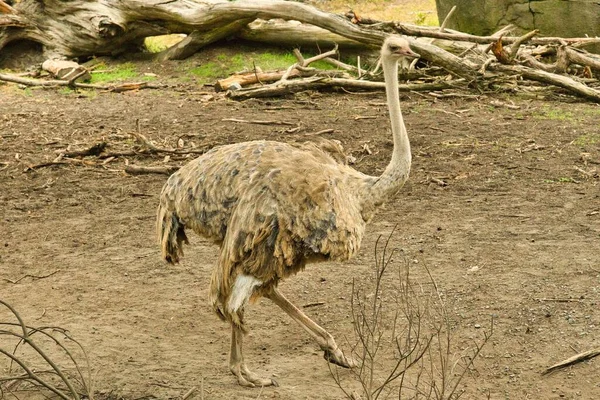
338 358
247 378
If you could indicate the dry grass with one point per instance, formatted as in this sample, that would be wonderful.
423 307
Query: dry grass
421 12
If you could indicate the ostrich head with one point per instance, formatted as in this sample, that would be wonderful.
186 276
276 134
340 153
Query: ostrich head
396 47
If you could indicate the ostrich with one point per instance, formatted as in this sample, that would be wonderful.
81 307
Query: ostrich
272 208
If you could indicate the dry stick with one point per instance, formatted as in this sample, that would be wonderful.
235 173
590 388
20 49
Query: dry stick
93 150
315 304
558 300
443 26
188 393
581 58
258 122
554 79
339 64
32 375
253 77
321 56
306 62
61 161
45 83
78 75
152 149
6 9
465 37
31 276
140 170
514 49
35 347
321 132
586 355
314 83
42 331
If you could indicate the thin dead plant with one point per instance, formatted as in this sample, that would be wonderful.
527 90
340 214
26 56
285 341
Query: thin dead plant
34 367
403 337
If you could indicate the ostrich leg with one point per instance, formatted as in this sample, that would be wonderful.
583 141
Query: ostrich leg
237 365
333 354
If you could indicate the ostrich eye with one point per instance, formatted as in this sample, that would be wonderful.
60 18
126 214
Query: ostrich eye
394 48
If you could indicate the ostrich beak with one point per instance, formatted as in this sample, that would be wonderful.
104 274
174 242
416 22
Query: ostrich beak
406 52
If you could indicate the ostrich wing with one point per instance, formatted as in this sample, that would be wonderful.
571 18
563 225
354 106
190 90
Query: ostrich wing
291 212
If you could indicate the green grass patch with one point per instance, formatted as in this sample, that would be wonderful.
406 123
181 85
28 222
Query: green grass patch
224 65
555 114
588 139
562 179
114 73
419 12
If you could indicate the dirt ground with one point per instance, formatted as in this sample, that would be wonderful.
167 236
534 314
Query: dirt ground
503 207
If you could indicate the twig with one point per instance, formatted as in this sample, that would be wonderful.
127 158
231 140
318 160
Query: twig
45 83
31 276
514 48
321 56
188 393
440 182
445 22
465 37
586 355
26 338
321 132
315 83
315 304
93 150
6 9
359 117
339 64
560 300
60 161
140 170
258 122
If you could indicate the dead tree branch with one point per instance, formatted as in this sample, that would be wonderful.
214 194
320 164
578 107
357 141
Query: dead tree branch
586 355
319 83
70 83
23 335
142 170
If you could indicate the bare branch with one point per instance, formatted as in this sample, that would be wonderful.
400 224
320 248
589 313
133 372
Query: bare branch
586 355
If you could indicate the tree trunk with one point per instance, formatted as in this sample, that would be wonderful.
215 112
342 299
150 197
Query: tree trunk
82 28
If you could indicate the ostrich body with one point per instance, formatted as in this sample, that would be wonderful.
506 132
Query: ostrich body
272 208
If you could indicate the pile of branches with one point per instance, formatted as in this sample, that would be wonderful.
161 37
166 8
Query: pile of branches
502 61
449 59
99 155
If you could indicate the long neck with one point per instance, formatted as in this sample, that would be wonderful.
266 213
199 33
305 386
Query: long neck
396 173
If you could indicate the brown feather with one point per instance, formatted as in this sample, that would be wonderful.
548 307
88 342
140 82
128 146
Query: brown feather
271 206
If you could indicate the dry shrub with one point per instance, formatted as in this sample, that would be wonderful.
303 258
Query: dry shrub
42 360
403 337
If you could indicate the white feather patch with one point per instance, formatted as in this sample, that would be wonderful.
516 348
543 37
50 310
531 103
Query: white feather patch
242 290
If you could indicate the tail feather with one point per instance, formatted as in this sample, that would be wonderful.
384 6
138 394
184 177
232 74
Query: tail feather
171 234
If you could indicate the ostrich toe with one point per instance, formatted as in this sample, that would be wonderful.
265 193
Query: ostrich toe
247 378
338 358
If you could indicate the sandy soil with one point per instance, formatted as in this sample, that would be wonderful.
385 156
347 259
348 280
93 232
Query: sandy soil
513 234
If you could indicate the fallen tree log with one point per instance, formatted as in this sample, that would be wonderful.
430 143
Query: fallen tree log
80 28
294 33
66 70
123 87
318 83
551 78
